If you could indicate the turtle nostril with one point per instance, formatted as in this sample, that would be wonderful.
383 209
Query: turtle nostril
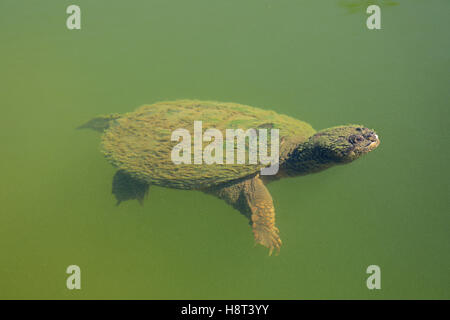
372 136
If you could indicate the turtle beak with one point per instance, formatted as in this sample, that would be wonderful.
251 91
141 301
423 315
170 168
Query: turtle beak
364 141
373 141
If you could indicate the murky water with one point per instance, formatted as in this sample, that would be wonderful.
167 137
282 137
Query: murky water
313 60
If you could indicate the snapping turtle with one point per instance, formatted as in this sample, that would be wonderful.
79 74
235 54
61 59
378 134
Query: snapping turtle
140 144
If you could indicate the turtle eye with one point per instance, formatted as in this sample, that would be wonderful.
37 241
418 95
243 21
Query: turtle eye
355 138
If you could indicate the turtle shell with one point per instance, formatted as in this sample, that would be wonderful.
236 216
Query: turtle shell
140 142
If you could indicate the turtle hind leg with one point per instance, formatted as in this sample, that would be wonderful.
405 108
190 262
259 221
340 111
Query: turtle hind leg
254 201
100 123
125 187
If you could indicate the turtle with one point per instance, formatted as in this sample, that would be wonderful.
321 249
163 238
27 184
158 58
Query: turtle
140 144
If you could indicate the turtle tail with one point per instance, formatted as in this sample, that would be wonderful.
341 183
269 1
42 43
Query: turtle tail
100 123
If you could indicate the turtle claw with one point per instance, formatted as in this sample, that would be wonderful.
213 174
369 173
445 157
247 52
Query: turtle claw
269 238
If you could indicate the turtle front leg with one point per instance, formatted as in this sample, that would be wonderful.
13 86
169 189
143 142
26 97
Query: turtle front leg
262 210
253 200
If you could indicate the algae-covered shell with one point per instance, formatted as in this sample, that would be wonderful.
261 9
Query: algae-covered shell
140 142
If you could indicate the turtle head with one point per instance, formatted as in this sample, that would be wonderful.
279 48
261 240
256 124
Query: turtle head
344 144
326 148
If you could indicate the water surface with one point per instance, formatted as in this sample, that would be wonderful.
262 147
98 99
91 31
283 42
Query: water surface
313 60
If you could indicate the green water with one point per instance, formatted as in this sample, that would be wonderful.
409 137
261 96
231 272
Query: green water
313 60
